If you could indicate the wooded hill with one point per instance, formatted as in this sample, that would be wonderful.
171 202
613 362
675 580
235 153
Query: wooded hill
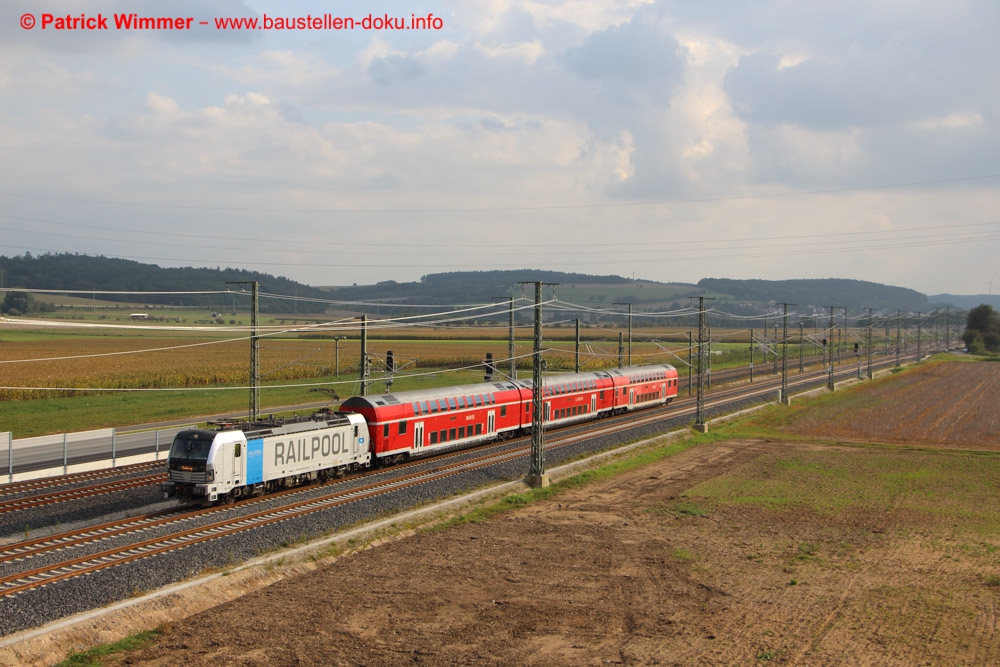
73 272
743 297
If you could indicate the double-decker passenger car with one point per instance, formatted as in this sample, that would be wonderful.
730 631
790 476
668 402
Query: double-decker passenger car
406 424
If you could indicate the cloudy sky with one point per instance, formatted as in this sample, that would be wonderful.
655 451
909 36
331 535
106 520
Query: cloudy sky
674 140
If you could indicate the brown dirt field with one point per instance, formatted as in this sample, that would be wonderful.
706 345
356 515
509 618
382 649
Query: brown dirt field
647 569
954 404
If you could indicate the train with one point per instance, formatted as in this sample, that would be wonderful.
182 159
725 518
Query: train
248 459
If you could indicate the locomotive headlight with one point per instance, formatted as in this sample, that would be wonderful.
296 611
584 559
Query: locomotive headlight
210 475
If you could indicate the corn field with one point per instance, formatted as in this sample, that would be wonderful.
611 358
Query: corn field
64 366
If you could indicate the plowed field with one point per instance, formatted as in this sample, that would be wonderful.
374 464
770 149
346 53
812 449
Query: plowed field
736 553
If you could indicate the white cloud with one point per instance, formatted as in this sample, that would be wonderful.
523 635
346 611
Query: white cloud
953 121
526 52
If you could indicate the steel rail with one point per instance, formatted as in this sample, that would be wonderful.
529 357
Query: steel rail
74 567
79 492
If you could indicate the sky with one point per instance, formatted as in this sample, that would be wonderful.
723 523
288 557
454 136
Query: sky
672 141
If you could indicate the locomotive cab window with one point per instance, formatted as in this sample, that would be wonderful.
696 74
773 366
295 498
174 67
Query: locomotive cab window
402 428
385 431
503 410
238 451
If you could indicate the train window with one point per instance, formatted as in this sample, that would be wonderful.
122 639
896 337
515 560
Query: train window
479 429
451 434
385 431
355 430
503 410
434 407
402 428
444 435
452 403
434 437
461 401
479 400
238 453
527 407
416 409
461 432
602 396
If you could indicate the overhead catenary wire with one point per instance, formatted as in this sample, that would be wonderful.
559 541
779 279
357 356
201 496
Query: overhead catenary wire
595 205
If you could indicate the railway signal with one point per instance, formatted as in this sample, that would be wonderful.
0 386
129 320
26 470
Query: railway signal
490 367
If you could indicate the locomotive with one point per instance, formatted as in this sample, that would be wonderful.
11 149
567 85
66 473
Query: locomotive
385 429
250 459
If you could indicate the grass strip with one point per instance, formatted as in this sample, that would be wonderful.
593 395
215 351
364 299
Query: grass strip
94 657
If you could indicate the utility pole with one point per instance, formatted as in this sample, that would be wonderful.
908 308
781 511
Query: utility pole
708 353
899 341
253 413
947 325
537 477
690 360
699 418
622 303
871 375
578 345
785 398
839 346
919 323
802 340
365 363
510 336
621 349
336 347
776 347
829 381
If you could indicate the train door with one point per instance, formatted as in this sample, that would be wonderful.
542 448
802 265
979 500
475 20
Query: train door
548 411
663 391
418 436
593 403
236 463
631 397
491 422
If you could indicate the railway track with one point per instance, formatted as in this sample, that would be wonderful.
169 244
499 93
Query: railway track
75 478
114 482
235 519
447 464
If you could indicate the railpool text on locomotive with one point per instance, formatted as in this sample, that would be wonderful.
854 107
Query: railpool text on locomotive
305 449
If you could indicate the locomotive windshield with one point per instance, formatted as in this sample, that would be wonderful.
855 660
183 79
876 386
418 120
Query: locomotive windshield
191 445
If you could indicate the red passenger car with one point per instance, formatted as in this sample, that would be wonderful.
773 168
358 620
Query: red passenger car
412 422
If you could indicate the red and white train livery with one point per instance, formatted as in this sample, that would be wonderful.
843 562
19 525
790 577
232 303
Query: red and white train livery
407 424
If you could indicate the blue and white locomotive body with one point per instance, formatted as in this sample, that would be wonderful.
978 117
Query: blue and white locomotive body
251 459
